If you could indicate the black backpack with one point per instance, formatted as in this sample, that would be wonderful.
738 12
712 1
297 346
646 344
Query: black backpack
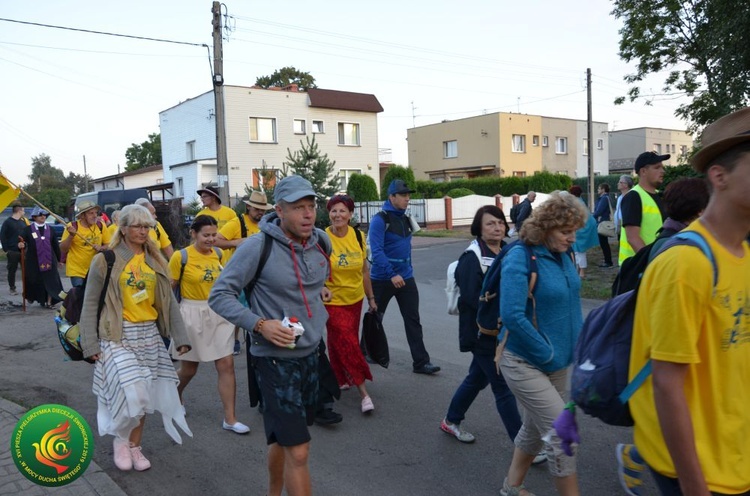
632 268
69 315
514 212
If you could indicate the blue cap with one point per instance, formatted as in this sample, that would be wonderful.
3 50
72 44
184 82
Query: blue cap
398 186
292 188
38 211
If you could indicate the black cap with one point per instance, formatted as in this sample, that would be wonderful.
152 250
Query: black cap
649 158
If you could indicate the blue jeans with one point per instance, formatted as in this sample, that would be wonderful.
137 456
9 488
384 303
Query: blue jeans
76 281
482 371
671 487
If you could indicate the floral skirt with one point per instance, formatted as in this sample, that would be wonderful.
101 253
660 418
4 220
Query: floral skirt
344 352
133 377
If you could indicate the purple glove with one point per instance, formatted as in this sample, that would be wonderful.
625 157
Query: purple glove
567 429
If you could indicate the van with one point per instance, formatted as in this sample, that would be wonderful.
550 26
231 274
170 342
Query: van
112 199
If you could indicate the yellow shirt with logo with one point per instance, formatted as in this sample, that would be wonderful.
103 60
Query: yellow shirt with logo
222 215
347 259
201 271
138 284
112 230
80 254
162 239
679 319
232 230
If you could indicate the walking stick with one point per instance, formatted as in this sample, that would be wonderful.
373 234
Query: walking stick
23 272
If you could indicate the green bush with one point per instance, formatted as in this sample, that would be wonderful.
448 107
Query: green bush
514 186
397 172
362 188
459 192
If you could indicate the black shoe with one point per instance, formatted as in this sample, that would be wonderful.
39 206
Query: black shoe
327 417
605 265
427 369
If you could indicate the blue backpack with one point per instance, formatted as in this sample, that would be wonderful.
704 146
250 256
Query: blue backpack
488 311
599 383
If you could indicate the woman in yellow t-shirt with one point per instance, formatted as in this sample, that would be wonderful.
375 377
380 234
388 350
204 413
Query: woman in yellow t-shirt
350 282
212 336
133 374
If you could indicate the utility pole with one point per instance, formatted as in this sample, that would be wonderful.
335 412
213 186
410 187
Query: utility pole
413 115
222 168
85 176
590 133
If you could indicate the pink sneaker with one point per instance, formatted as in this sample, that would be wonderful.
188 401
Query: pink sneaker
367 405
121 448
140 462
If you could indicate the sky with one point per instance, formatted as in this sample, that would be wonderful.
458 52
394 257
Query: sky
71 94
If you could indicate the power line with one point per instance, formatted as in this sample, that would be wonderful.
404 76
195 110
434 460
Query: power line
91 31
105 52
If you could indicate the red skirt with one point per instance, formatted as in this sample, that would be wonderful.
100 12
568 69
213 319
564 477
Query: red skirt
346 357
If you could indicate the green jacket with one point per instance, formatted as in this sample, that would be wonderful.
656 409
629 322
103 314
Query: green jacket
169 321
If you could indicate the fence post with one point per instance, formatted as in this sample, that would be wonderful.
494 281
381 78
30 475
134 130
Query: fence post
448 212
499 201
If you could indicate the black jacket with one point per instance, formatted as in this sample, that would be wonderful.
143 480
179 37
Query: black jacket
9 233
524 210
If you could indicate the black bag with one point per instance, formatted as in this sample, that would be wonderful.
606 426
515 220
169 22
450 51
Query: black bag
374 343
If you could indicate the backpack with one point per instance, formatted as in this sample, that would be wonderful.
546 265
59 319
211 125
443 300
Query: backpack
599 383
69 315
177 290
632 268
488 312
514 212
452 291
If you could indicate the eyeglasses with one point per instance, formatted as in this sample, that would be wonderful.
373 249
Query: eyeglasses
139 227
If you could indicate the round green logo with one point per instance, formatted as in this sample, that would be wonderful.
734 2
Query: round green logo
52 445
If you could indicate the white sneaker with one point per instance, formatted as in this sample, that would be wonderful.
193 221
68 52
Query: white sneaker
367 405
237 427
140 462
121 449
456 431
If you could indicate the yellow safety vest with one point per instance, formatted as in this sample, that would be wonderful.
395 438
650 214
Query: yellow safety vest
651 222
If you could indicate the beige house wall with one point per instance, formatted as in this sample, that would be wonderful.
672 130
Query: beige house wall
552 160
625 145
528 161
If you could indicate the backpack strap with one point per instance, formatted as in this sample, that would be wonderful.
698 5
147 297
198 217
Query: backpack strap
265 252
183 262
243 227
109 256
218 252
358 233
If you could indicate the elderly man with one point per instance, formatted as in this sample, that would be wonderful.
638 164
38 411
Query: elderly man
82 239
287 288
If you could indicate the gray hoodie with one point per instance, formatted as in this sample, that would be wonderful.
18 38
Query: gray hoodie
289 285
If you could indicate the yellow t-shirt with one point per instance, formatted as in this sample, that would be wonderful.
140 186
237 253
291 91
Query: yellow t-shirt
232 230
222 216
678 319
80 254
347 258
112 230
162 239
136 278
201 271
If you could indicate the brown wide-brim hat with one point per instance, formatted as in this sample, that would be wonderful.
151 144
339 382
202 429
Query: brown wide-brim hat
211 191
728 132
85 206
257 199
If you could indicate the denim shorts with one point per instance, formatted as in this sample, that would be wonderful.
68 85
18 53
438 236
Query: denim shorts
289 387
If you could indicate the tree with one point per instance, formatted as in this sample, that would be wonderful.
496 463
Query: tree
317 168
705 46
397 172
286 76
146 154
77 183
44 175
362 188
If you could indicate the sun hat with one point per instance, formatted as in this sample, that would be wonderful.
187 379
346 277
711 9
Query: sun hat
728 132
211 191
258 200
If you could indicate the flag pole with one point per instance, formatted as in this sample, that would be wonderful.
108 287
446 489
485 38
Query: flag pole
57 217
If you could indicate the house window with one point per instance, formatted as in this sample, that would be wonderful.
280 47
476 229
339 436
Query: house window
317 127
600 144
561 145
585 147
345 175
519 143
190 151
545 140
673 148
519 173
348 134
262 130
299 126
535 140
180 187
450 149
265 178
657 148
683 150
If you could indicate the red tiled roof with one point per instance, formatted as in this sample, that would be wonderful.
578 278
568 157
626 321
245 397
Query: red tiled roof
344 100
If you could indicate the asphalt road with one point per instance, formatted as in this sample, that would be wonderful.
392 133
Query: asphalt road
398 450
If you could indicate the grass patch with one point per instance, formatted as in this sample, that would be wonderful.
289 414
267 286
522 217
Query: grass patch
598 282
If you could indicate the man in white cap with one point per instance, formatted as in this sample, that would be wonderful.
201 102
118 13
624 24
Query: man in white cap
692 416
82 239
212 206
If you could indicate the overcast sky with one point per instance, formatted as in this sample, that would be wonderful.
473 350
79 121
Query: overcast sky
70 94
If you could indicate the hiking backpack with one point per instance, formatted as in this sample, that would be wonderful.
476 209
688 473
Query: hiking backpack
514 212
69 315
632 269
452 291
488 311
601 360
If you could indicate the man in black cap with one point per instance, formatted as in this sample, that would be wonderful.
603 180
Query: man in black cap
391 271
642 210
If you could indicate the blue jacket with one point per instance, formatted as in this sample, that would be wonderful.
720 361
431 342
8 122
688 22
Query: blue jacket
391 249
587 236
601 211
558 308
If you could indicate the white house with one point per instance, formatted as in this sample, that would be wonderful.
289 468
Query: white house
261 124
